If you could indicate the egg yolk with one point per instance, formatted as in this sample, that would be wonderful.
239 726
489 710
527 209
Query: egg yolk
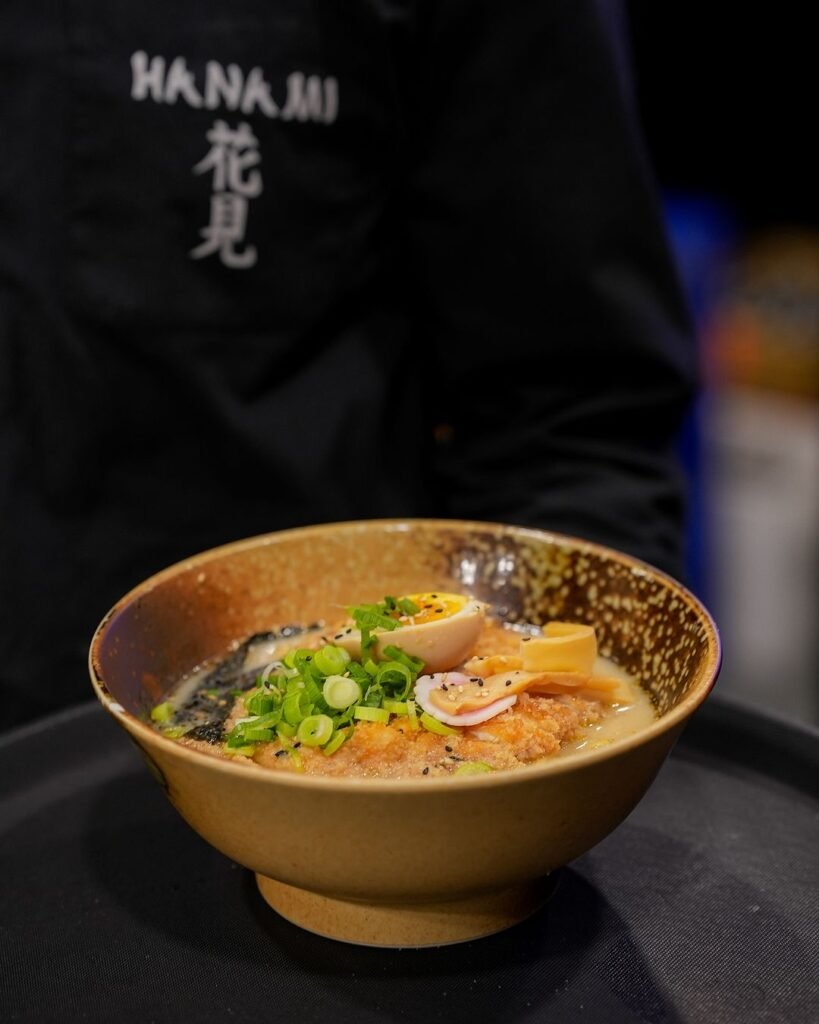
434 606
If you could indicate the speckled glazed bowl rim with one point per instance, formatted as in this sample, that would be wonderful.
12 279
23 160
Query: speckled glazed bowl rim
509 777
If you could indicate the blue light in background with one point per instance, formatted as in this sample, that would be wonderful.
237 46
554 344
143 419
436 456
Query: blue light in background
703 234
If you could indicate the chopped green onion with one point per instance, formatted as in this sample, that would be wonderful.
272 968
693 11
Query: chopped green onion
331 660
342 718
338 738
358 672
408 606
473 768
247 751
285 729
372 714
340 692
269 721
396 675
253 735
373 616
260 703
433 725
295 756
370 667
163 712
395 707
413 664
315 731
236 736
303 661
297 705
373 696
211 693
412 715
313 691
290 658
175 732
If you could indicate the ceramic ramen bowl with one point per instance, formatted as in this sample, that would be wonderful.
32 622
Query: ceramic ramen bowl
407 862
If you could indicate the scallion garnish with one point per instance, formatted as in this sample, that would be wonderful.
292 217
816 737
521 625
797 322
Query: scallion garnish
368 617
412 715
372 714
415 665
260 702
175 732
297 705
433 725
163 712
339 737
340 692
373 616
331 660
295 756
247 751
253 735
315 730
394 679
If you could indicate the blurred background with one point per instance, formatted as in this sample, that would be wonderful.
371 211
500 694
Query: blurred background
726 108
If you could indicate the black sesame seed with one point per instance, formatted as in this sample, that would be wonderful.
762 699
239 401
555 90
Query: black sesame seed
338 636
526 639
425 771
508 682
440 611
280 753
448 749
480 682
444 687
433 596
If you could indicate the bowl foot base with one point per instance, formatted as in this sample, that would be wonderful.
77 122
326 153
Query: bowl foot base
406 924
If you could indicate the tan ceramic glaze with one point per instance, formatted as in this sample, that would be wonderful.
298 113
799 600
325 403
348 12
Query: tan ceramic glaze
404 862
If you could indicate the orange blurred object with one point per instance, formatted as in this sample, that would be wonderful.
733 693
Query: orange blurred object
764 331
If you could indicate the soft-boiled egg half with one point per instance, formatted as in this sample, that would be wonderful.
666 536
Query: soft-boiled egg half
442 632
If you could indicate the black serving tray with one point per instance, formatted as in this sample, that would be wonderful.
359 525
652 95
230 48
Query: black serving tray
703 906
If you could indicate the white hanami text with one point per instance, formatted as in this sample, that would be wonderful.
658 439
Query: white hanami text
305 97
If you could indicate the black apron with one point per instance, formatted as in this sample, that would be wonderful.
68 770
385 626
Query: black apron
268 263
